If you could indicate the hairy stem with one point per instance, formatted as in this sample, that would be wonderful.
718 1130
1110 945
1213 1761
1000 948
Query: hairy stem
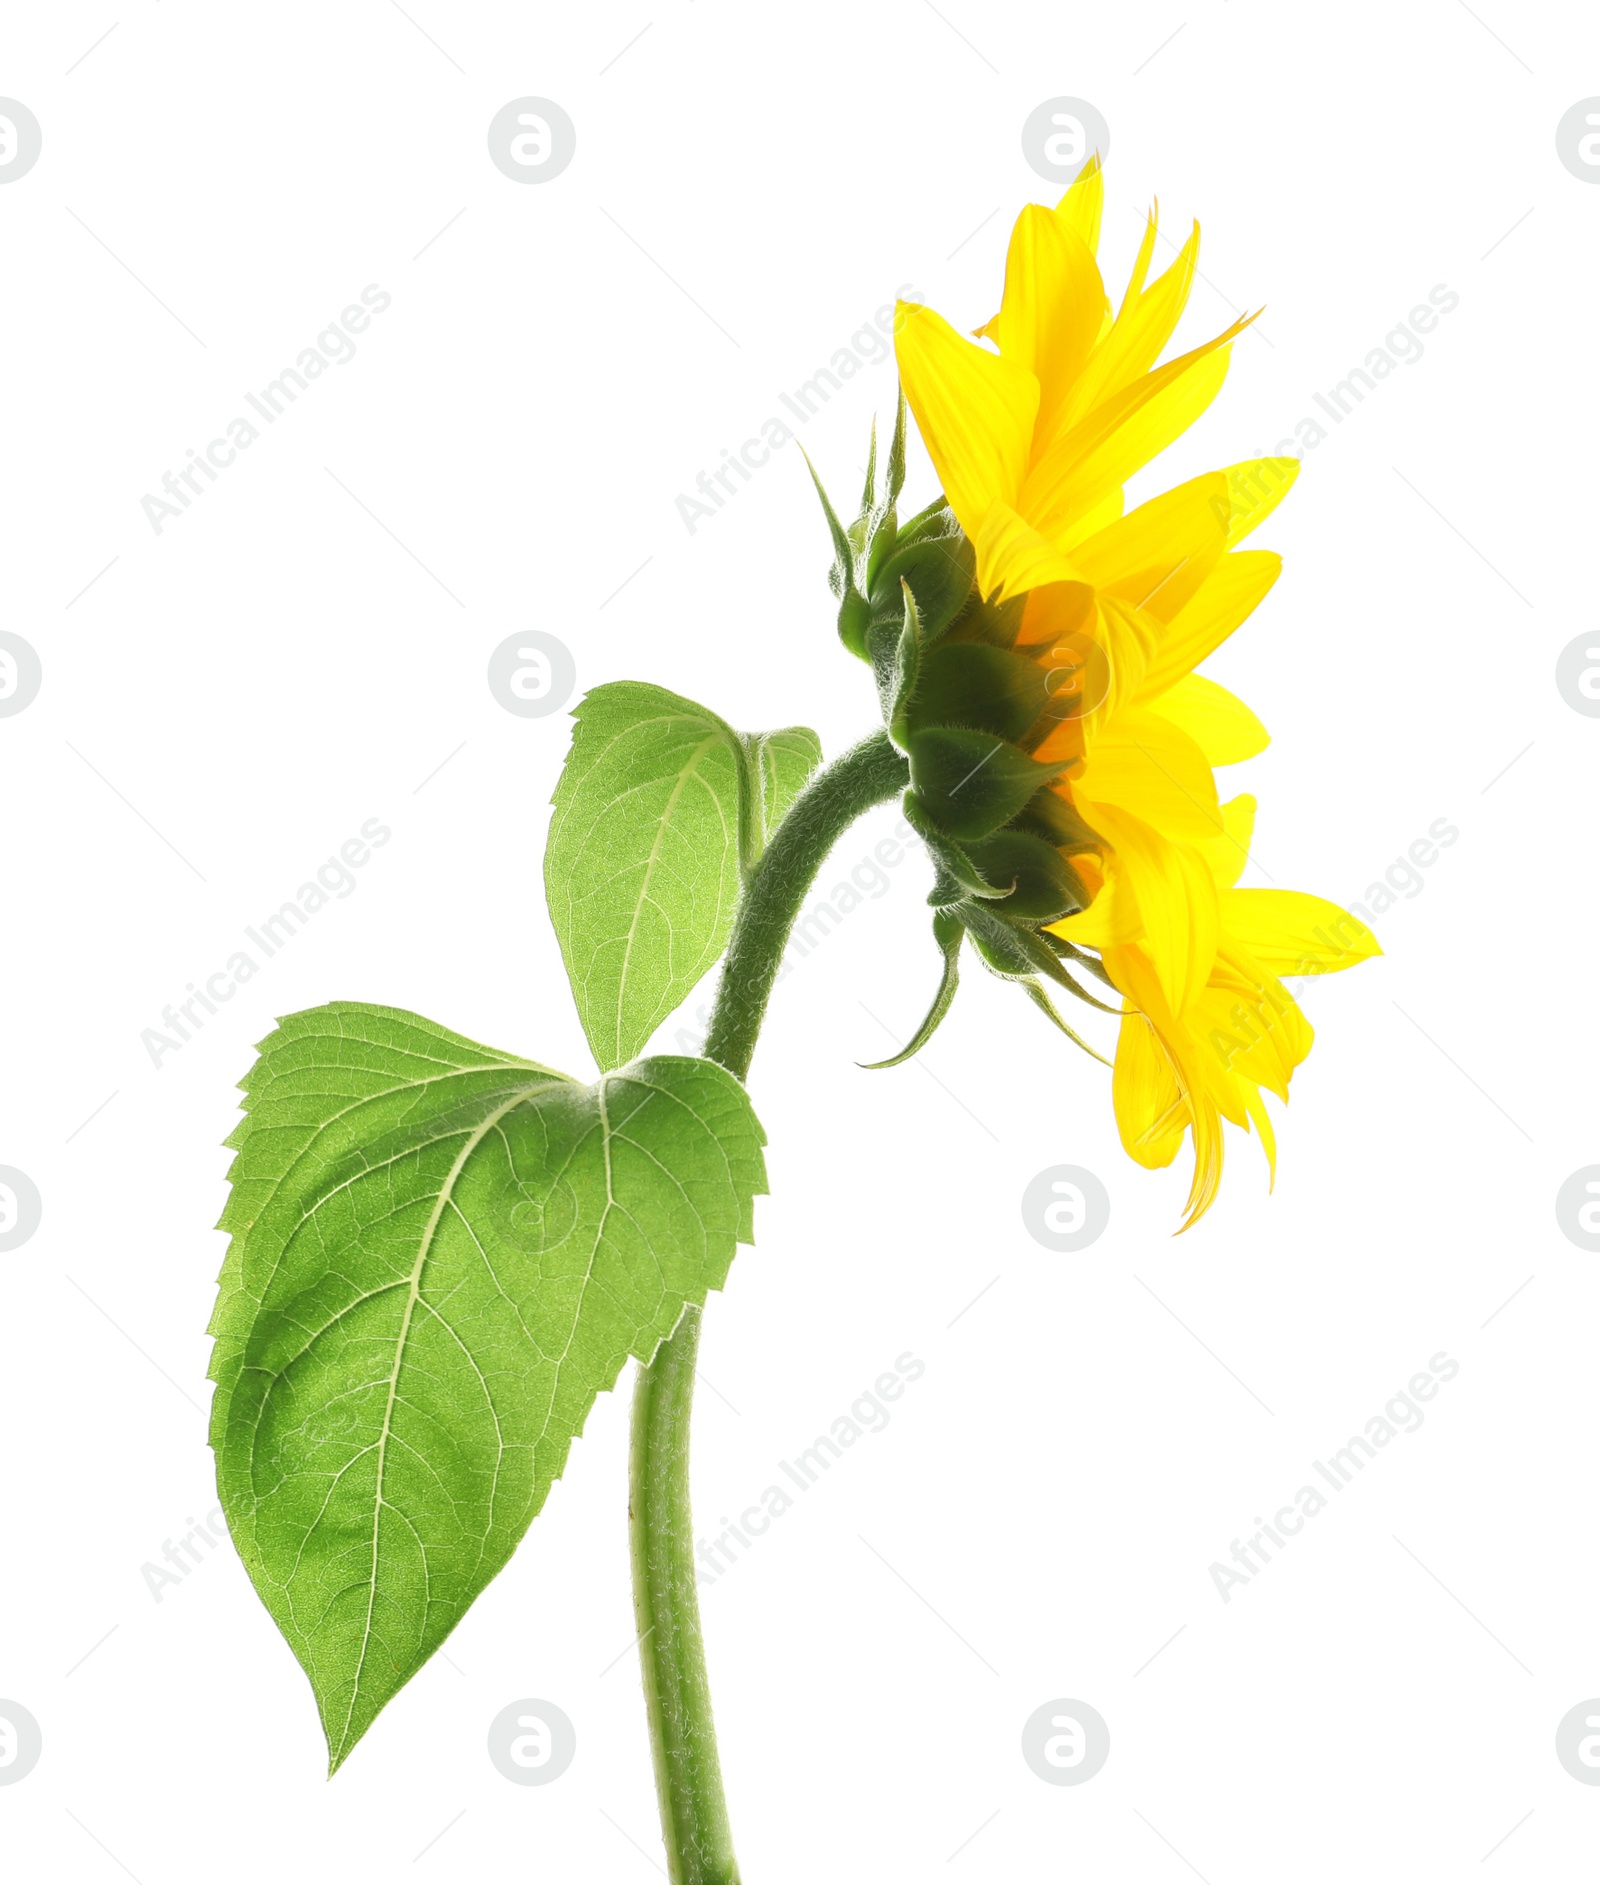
694 1812
861 778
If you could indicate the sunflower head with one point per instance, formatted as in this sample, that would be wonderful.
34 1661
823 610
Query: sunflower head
1035 643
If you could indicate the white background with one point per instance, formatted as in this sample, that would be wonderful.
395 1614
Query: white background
273 669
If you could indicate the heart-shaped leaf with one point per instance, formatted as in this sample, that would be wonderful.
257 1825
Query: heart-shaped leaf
642 865
440 1255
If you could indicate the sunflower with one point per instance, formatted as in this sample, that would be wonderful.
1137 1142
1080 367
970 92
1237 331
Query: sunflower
1076 650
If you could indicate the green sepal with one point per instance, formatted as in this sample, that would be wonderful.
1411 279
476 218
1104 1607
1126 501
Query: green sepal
869 489
948 931
855 612
997 624
906 677
1070 952
986 689
955 875
1057 819
1045 887
855 619
969 783
897 448
1040 999
1017 954
934 556
841 577
884 534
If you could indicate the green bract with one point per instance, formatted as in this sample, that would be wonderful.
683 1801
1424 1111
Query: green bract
960 701
440 1255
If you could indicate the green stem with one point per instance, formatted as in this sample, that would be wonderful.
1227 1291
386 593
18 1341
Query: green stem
694 1812
855 782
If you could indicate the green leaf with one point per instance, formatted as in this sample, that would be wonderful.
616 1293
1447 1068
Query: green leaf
782 762
642 866
440 1255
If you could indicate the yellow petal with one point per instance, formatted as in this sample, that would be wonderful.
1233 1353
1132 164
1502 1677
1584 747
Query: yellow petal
1082 465
1157 556
1221 603
1255 490
1139 762
1079 210
1151 1114
1269 1139
1050 316
1142 328
974 410
1163 893
1291 933
1135 975
1141 262
1097 518
1253 1027
1013 557
1218 722
1228 854
1128 638
1058 612
1096 927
